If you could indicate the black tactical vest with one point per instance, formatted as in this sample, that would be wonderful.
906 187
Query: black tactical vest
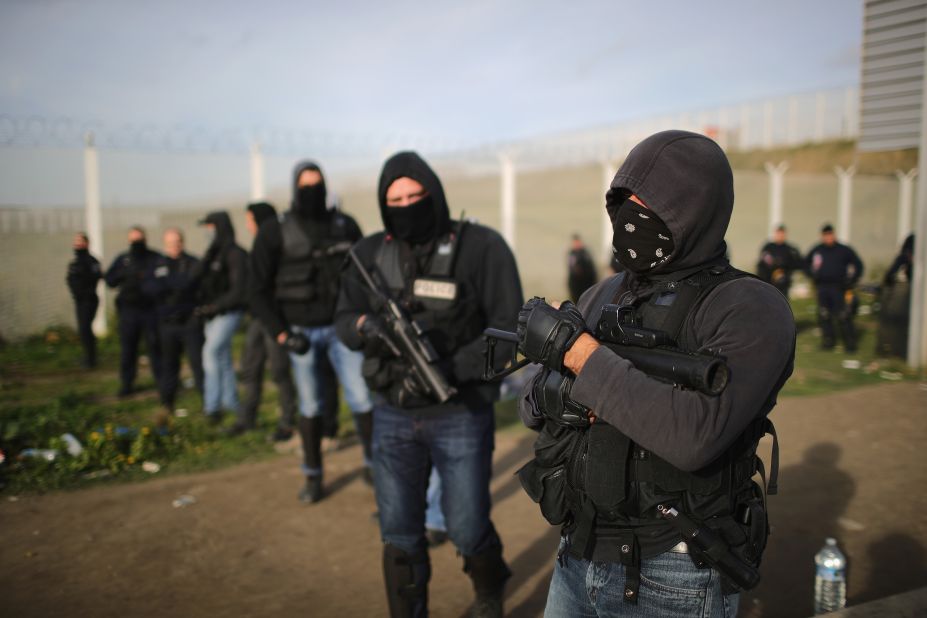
610 486
309 268
444 306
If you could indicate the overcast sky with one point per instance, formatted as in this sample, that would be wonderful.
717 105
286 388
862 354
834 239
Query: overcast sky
475 70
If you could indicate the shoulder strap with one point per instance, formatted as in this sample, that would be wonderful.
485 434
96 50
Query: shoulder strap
389 264
445 256
608 293
692 291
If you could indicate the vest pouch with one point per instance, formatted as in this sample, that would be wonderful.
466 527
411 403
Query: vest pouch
668 478
546 487
606 469
296 285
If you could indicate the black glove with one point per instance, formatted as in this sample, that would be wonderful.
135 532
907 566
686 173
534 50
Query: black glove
297 343
545 333
372 328
205 311
551 392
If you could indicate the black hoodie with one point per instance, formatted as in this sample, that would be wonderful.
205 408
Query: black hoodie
485 273
265 260
686 180
224 267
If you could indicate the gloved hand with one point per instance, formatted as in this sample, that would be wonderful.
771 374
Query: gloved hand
297 343
372 328
545 333
205 311
406 393
551 391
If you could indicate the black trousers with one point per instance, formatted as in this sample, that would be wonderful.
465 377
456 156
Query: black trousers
834 308
259 348
86 310
176 338
134 324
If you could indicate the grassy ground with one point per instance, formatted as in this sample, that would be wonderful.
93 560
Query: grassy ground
43 394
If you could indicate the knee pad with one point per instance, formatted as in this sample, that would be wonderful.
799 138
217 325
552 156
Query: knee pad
406 577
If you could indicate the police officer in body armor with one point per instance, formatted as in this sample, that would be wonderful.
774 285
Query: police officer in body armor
778 260
835 268
174 283
83 274
296 267
136 310
642 443
454 280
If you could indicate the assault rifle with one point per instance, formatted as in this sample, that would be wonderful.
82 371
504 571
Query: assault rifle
651 351
405 339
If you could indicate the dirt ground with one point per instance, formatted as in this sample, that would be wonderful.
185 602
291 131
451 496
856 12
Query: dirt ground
852 467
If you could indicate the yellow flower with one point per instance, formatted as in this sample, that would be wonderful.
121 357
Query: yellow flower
146 431
94 435
130 460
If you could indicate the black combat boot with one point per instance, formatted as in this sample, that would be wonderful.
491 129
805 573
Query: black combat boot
364 424
406 577
310 430
489 573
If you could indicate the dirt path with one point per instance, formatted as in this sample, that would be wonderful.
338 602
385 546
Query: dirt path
852 467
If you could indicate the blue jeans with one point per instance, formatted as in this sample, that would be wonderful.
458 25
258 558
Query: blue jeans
670 587
220 390
434 517
459 445
346 363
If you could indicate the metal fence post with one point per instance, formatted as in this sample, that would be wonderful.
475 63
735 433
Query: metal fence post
508 204
905 199
776 173
258 191
95 224
844 201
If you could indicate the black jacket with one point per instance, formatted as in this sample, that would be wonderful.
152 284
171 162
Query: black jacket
265 260
173 283
224 268
83 274
903 261
485 272
128 272
582 272
777 262
686 180
834 265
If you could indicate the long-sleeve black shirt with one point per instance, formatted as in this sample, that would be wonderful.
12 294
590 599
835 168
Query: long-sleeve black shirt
836 264
778 257
83 274
485 272
266 254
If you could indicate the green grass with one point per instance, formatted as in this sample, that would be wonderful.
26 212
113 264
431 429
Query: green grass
43 394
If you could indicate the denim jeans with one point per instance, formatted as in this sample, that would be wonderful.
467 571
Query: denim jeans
459 445
670 587
220 388
347 365
434 517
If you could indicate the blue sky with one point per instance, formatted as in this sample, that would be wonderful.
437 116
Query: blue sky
477 70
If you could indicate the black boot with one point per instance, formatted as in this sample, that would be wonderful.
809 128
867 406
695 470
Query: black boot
310 431
406 577
489 573
364 424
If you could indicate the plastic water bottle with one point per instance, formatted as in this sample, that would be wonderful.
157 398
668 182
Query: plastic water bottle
830 580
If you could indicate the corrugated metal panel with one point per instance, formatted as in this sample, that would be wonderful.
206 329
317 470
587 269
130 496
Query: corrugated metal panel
892 74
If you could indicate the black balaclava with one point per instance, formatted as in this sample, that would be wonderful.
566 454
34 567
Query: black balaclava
261 211
225 231
309 202
137 247
641 240
686 181
427 218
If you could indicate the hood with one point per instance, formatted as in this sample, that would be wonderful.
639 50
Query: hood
262 211
685 178
225 231
410 165
301 167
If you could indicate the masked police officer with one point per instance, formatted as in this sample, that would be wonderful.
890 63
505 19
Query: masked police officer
631 464
454 279
295 267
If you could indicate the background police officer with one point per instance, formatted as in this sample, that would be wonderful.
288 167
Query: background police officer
83 274
454 280
173 282
135 308
778 260
652 442
835 268
580 267
296 266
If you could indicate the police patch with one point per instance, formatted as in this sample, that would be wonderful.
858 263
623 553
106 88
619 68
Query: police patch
434 288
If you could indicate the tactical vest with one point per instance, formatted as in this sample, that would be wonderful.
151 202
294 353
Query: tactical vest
604 488
309 268
441 304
